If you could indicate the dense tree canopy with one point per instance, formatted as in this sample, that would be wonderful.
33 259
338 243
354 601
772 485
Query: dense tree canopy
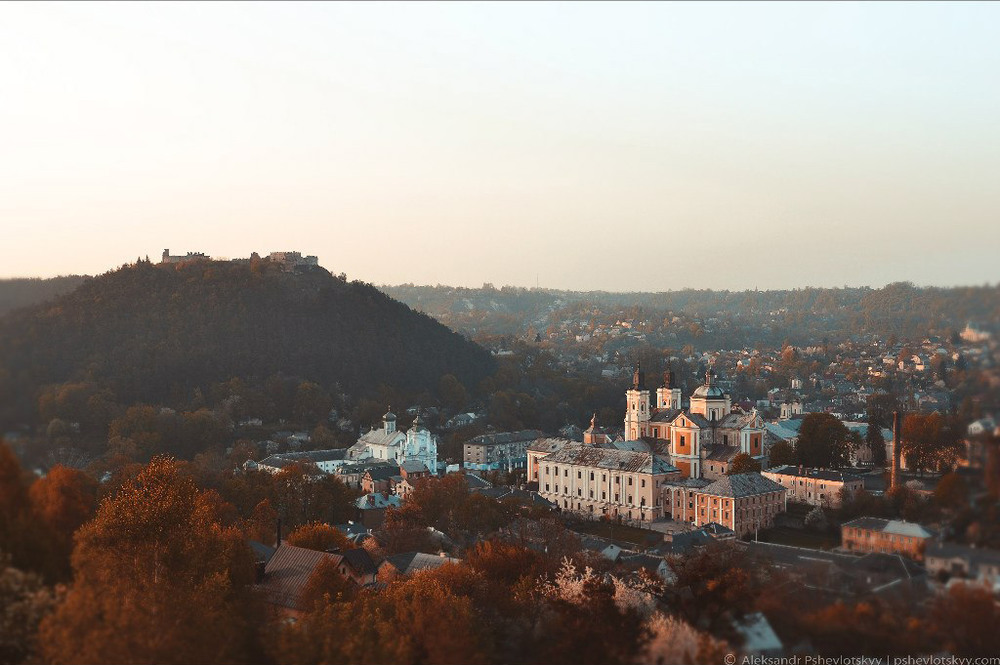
146 333
157 579
824 442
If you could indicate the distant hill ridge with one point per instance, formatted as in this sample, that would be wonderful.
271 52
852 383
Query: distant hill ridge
813 313
148 331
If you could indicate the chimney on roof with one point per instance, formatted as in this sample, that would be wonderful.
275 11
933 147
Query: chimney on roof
897 445
259 568
277 541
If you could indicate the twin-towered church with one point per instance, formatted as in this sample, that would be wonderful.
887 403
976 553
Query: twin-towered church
701 440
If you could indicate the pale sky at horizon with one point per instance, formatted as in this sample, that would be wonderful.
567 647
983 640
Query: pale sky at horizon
612 146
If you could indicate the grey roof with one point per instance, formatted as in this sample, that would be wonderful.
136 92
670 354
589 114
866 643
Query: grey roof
895 527
276 461
639 560
474 482
379 437
505 437
413 466
974 555
608 458
288 572
410 562
360 560
698 419
377 500
261 551
685 540
383 472
716 529
281 460
688 483
551 445
807 472
758 635
742 484
666 415
723 453
636 446
361 467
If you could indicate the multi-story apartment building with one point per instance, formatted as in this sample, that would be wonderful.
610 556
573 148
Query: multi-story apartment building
605 481
502 450
817 487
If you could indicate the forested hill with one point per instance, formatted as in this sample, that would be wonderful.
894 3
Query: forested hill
150 333
24 291
804 316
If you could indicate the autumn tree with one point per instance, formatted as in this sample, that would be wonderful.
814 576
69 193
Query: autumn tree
743 463
15 516
262 524
952 492
327 585
964 622
867 628
417 620
672 640
24 602
781 453
405 530
320 537
156 580
303 494
61 501
823 442
929 441
581 622
713 586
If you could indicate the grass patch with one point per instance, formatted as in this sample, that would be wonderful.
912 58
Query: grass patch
799 538
617 532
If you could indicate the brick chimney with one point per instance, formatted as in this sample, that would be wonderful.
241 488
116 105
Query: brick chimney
897 445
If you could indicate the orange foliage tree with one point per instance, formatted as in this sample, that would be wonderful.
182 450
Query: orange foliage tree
320 537
156 580
62 501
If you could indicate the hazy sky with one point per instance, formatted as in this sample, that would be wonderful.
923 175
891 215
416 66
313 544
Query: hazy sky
597 146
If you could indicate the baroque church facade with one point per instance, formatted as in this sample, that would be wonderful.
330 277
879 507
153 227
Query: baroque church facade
391 445
700 440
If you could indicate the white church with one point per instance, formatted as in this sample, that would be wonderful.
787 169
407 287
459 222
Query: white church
389 444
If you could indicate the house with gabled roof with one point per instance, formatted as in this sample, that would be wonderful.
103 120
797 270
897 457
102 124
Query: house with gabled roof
286 575
407 563
874 534
743 502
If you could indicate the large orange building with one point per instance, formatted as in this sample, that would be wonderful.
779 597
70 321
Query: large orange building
743 502
873 534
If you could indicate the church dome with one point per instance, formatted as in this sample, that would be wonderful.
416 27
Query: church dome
389 415
709 392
